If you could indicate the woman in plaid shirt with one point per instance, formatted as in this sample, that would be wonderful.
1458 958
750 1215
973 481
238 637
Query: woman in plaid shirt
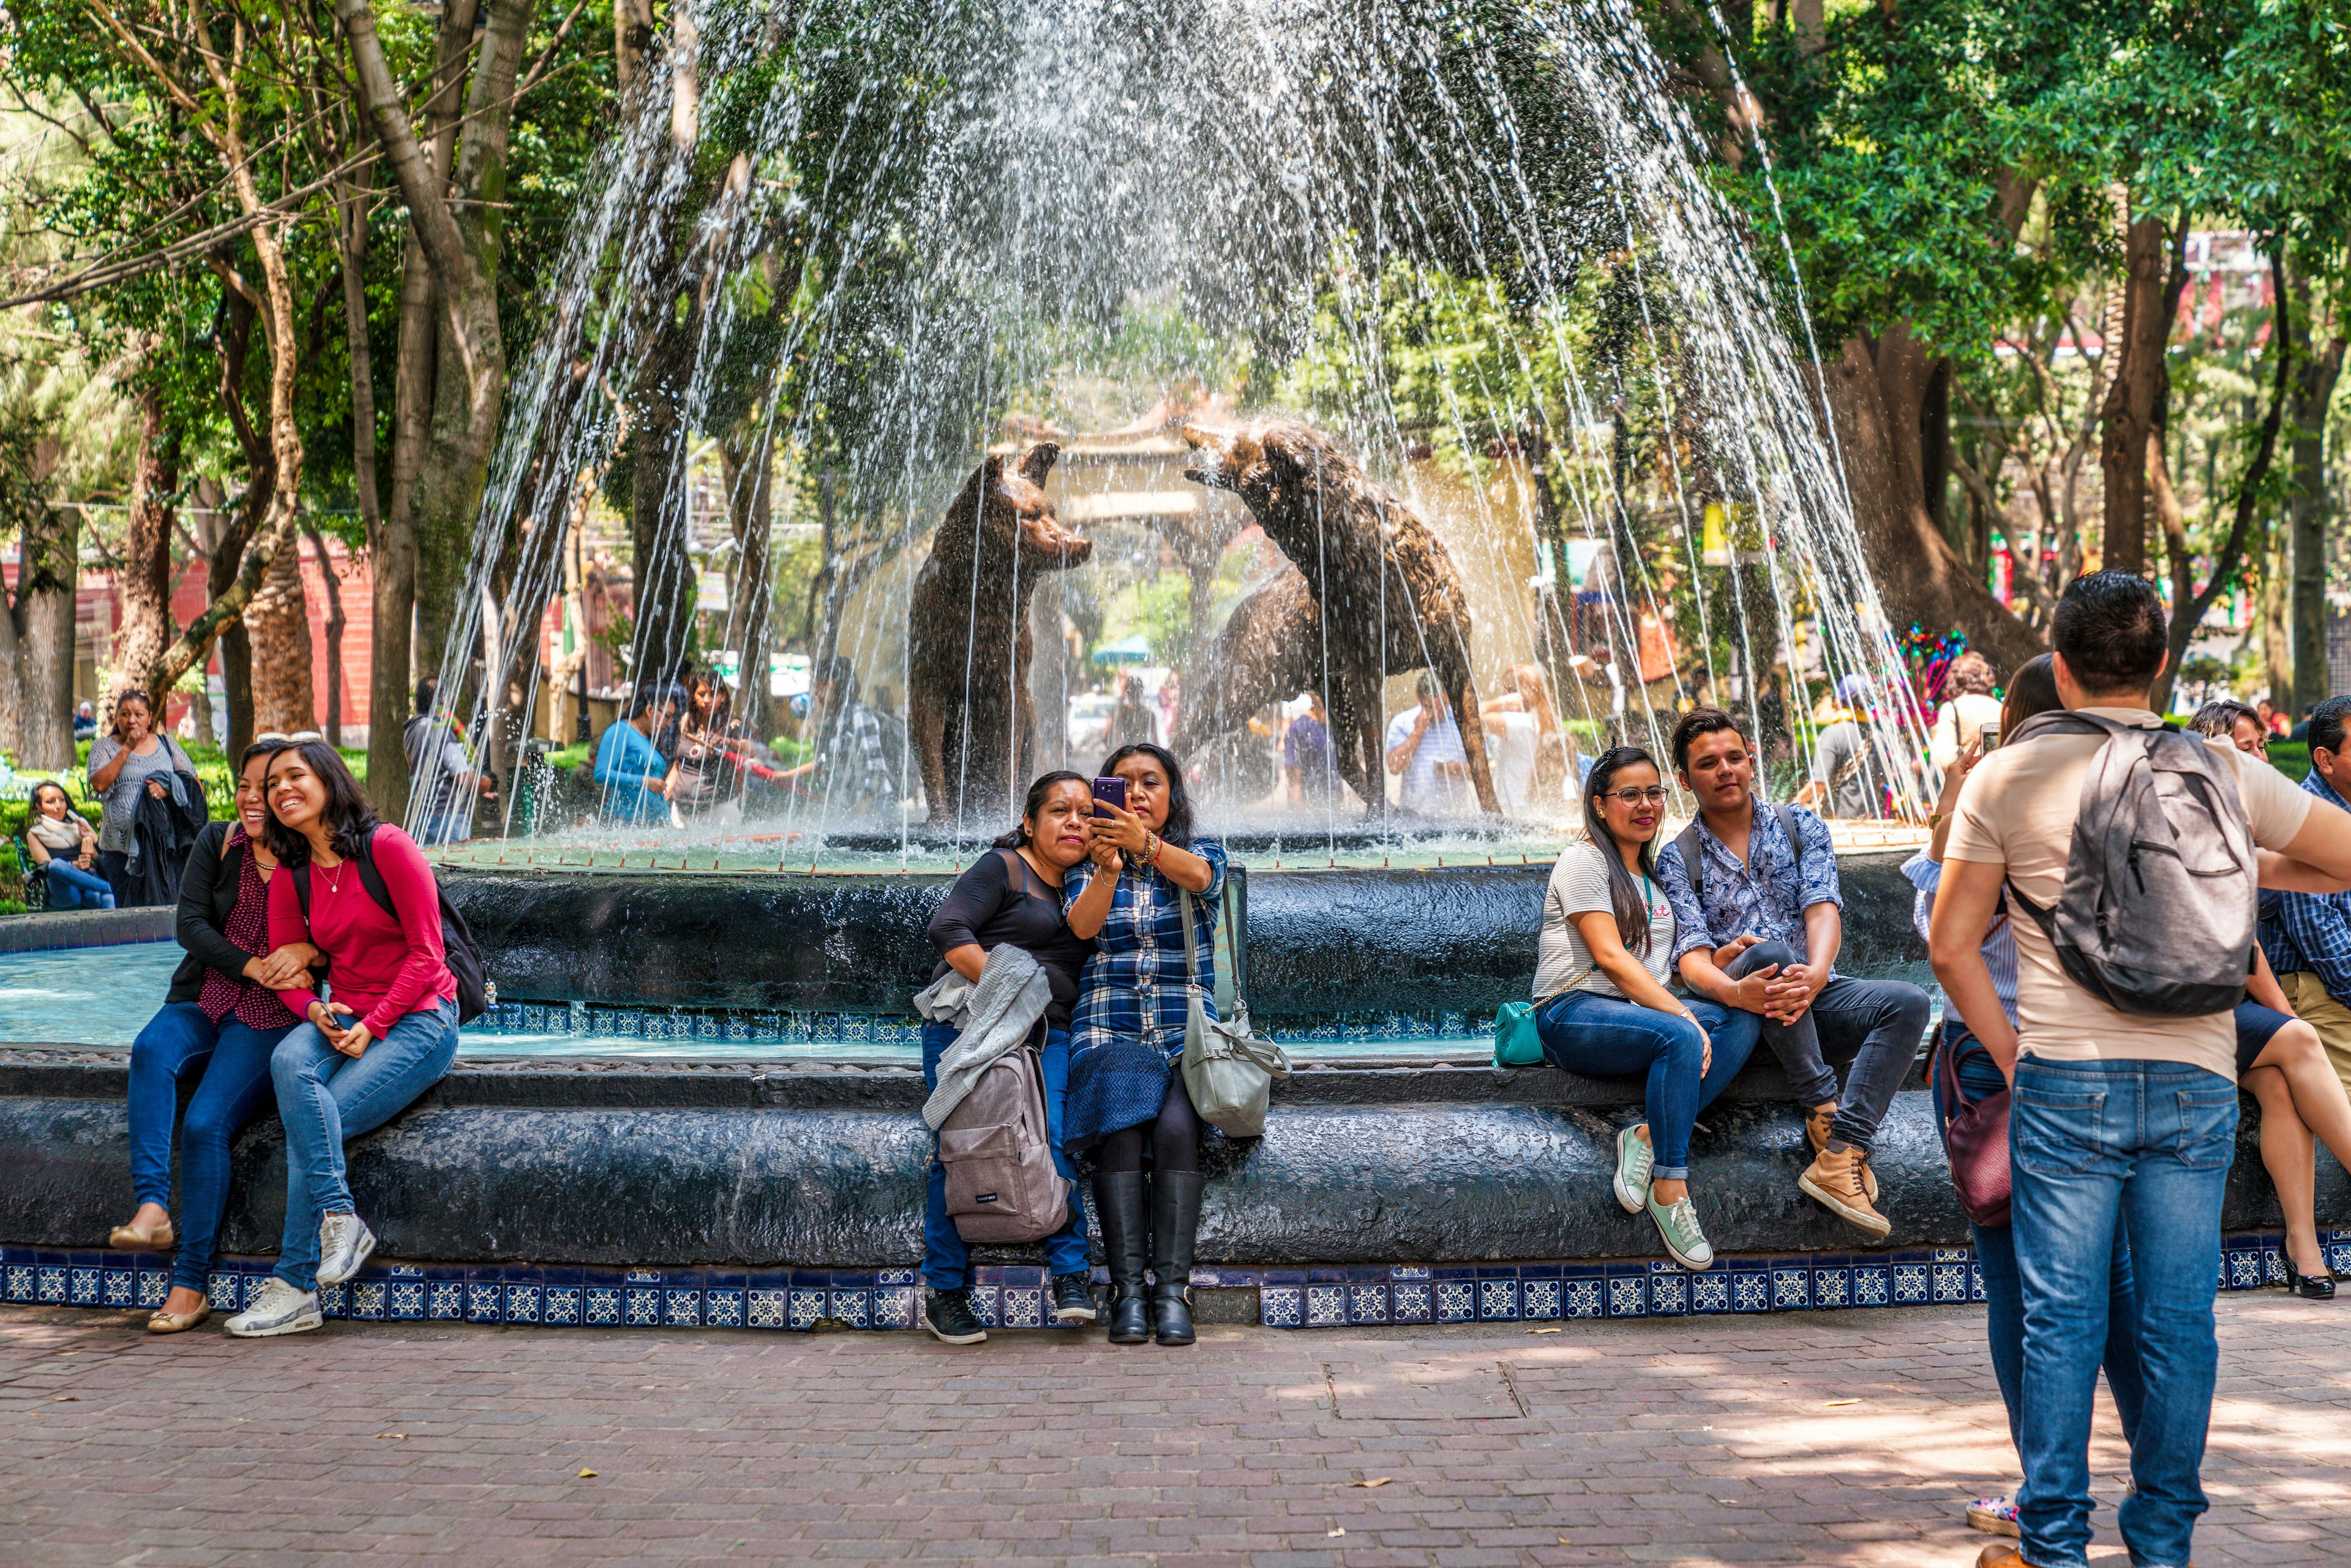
1128 1034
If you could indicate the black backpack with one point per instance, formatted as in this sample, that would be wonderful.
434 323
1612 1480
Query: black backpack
476 992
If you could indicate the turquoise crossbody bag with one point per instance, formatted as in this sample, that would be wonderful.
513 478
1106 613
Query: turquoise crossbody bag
1516 1044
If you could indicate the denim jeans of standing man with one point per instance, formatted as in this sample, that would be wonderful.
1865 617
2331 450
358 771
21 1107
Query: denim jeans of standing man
2094 1144
1887 1018
230 1061
1608 1037
946 1256
1978 1077
324 1097
70 887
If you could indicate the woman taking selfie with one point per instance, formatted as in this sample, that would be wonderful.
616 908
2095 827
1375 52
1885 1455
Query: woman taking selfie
1125 1097
221 1020
353 1063
1603 1008
132 757
64 848
1012 895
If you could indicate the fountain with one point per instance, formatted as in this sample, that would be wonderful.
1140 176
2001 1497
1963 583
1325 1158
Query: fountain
1522 395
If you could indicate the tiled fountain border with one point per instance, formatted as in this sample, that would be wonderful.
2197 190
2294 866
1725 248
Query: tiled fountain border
1014 1297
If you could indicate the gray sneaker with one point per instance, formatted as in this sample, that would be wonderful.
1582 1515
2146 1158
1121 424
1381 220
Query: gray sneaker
1634 1160
282 1309
1677 1223
344 1243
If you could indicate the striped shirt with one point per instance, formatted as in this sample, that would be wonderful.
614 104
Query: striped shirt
1999 943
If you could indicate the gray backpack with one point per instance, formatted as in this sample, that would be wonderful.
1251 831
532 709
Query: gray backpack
999 1156
1694 854
2157 912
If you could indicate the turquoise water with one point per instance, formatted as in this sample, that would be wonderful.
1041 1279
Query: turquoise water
104 996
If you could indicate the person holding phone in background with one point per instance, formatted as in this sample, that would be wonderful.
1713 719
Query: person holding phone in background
1126 1100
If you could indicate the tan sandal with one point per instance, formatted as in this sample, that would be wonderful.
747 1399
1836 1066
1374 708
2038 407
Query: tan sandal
178 1323
131 1238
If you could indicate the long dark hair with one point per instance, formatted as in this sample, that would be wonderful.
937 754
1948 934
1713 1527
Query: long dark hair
349 817
1178 828
33 802
2031 690
1036 804
1631 909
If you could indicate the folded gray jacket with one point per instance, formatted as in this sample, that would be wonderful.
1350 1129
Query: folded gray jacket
993 1014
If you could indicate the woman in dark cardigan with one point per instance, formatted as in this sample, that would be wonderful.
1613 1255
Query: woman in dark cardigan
221 1019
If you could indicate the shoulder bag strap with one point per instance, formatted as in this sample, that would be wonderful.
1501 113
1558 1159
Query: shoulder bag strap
1232 941
1693 860
1191 946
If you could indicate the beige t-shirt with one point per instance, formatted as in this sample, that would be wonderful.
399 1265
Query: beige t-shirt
2018 811
1579 882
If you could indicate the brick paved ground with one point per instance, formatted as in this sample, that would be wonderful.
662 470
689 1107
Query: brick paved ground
1603 1443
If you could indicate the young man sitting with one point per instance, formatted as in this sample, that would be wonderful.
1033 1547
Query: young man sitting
1760 917
2117 1116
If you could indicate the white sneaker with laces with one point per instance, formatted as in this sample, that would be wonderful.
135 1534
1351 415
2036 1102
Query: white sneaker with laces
282 1309
344 1243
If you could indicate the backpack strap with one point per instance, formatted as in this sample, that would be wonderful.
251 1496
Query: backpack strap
1693 860
370 878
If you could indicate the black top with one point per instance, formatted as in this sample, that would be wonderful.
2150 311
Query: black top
208 892
1002 899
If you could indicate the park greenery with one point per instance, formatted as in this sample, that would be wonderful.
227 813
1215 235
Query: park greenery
2077 273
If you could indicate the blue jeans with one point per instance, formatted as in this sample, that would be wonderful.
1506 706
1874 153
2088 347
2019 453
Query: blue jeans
1979 1077
946 1256
2094 1145
324 1097
1607 1037
70 887
453 826
234 1059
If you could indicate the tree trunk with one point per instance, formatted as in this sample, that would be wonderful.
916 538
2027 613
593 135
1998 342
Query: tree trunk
41 630
2310 392
335 624
1877 394
147 626
665 589
2275 622
751 505
2137 382
278 620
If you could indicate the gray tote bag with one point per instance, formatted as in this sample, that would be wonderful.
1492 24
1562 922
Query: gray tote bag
1228 1071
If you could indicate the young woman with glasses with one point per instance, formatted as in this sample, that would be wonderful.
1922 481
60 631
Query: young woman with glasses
1602 1002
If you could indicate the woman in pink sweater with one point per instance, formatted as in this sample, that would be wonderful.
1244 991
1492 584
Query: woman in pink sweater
355 1062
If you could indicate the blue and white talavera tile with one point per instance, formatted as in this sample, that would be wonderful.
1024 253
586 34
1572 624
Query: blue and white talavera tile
1498 1300
154 1285
1750 1290
119 1287
769 1309
1628 1295
19 1282
722 1307
1539 1300
1669 1293
50 1284
85 1287
563 1305
524 1303
1281 1306
445 1301
1457 1301
370 1300
1023 1308
1872 1285
1583 1298
807 1307
1832 1287
485 1301
602 1306
1792 1288
1950 1282
1711 1292
1367 1302
681 1308
1326 1306
1414 1301
1911 1286
894 1305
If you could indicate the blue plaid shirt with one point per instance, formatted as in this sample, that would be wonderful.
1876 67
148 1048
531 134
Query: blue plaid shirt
1767 895
1132 999
2311 931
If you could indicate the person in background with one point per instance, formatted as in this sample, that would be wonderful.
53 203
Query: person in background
1126 1100
704 779
1132 721
1963 1065
220 1022
1424 746
355 1063
1555 748
2307 935
1013 894
2272 721
1765 893
1843 786
1602 1003
850 751
2283 1061
2300 733
64 850
2115 1118
1307 763
1967 706
128 757
445 770
630 769
1515 730
84 721
1170 698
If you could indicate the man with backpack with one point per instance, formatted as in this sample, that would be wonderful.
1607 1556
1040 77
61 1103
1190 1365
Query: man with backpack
2129 849
1760 917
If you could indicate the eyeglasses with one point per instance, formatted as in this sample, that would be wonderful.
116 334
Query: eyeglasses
1651 796
278 738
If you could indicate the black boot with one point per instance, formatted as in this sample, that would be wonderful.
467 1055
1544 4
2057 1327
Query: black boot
1124 1214
1175 1222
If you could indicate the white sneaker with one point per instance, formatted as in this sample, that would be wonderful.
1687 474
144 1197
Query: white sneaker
281 1310
344 1243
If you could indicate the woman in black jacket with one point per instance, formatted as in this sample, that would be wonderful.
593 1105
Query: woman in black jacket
221 1019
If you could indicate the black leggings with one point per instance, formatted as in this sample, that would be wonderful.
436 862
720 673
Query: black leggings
1173 1136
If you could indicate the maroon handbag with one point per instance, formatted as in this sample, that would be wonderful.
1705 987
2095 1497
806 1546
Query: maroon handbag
1975 1137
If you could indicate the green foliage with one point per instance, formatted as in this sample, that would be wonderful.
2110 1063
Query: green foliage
2289 758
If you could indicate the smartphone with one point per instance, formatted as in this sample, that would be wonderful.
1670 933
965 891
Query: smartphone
1112 791
1991 733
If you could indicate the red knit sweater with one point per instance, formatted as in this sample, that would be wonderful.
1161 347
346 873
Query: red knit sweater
383 969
